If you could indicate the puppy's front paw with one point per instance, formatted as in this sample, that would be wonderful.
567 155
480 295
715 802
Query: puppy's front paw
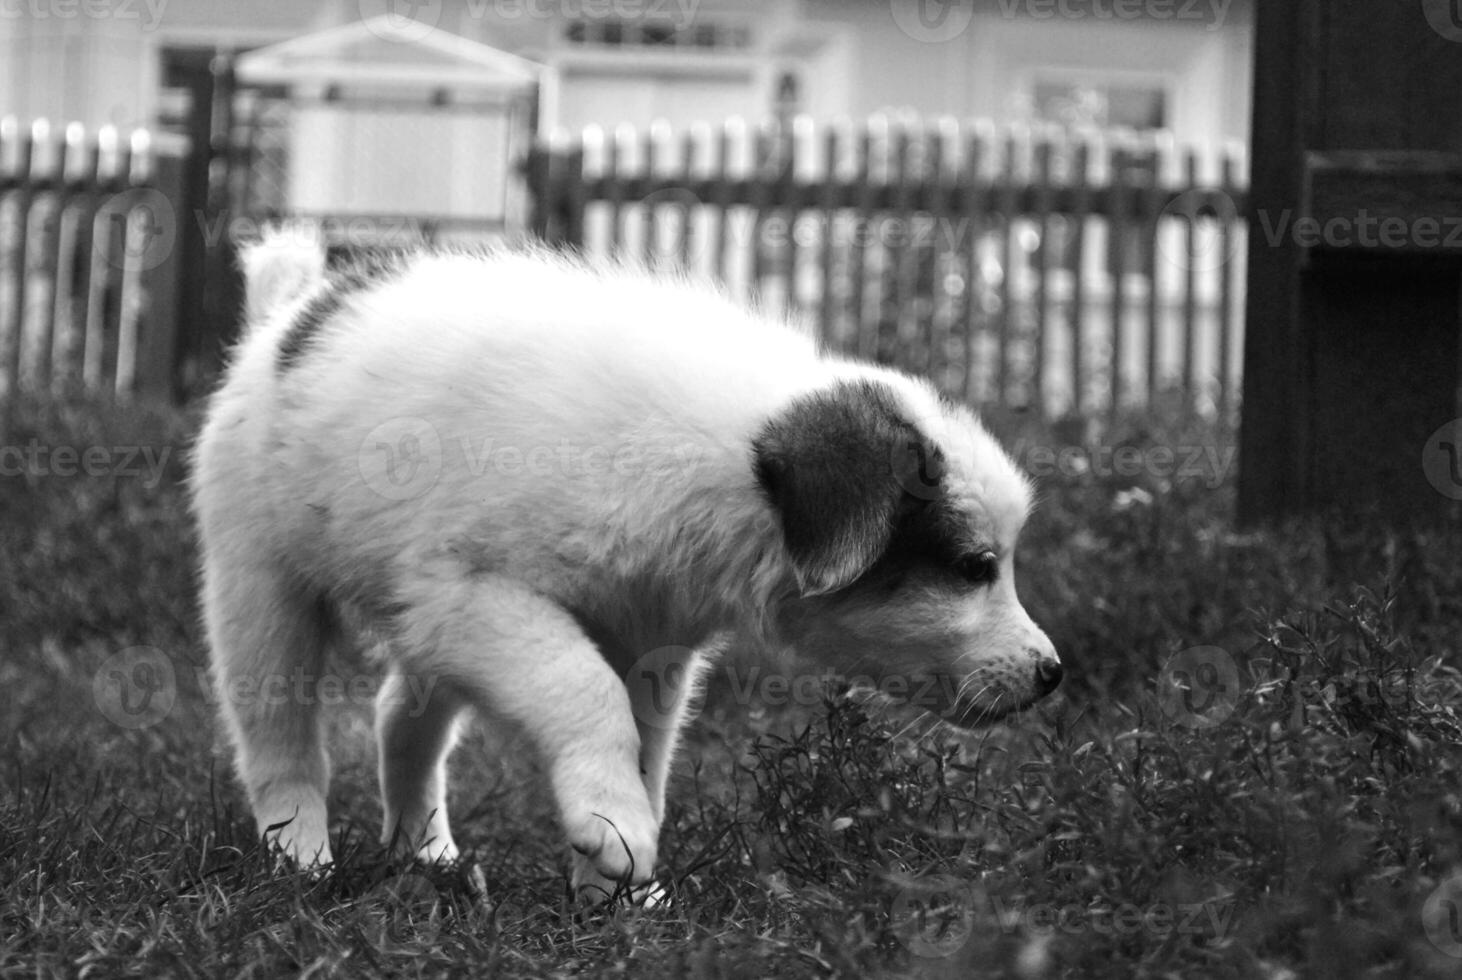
437 852
431 846
617 841
592 890
303 844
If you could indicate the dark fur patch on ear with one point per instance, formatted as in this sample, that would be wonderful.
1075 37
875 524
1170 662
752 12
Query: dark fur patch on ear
359 274
841 466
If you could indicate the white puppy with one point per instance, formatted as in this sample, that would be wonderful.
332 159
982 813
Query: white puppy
553 488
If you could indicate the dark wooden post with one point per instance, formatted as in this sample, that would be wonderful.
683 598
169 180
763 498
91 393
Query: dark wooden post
1352 355
536 178
157 359
554 176
210 292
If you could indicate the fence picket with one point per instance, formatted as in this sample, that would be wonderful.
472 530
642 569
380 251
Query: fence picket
1226 276
38 312
135 228
897 326
1118 217
797 149
763 170
577 196
1159 152
1007 204
1080 208
827 254
976 206
1041 216
720 220
692 147
74 243
863 224
19 175
1190 273
943 177
653 162
613 181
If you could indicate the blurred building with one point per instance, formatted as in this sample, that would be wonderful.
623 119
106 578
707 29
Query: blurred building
1176 64
376 108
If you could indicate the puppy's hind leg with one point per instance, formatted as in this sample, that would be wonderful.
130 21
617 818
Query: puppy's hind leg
417 721
267 638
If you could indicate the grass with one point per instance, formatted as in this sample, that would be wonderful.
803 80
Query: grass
1252 769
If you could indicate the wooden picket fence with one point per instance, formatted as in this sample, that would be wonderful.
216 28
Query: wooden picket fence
1034 269
1068 273
86 233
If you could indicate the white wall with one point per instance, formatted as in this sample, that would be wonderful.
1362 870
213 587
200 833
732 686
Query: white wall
610 98
98 62
386 161
858 58
986 67
73 69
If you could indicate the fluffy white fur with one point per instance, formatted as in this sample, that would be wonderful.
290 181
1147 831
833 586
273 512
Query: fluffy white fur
378 477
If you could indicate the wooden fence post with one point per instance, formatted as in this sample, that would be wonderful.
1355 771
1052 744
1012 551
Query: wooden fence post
1351 361
536 178
15 179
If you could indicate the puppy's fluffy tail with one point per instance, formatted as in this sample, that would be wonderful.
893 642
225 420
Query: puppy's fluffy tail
285 265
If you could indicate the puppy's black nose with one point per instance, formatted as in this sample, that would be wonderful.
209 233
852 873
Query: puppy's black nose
1048 676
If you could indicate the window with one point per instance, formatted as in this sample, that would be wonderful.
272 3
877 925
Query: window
614 33
1104 105
1101 104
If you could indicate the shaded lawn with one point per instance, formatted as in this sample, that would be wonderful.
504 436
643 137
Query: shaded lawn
1252 768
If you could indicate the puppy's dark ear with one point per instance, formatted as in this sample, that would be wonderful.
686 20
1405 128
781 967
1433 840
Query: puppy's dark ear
840 467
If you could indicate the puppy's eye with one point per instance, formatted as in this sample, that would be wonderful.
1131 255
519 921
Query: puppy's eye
978 569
